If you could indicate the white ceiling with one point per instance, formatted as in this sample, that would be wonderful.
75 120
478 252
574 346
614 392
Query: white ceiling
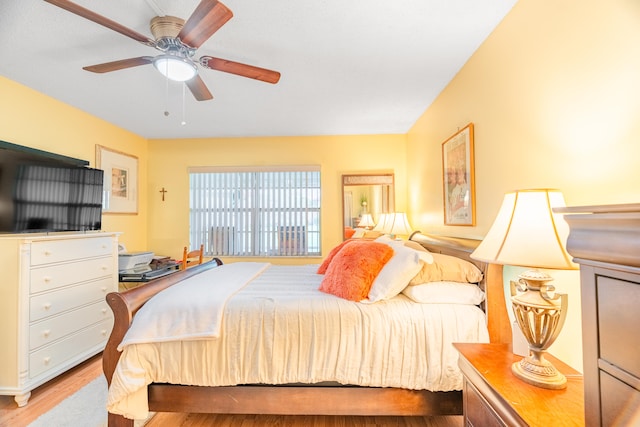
348 66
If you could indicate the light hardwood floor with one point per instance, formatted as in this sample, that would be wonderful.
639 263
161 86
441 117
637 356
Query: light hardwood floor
55 391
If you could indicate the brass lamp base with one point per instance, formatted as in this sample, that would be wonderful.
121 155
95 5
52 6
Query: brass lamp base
536 370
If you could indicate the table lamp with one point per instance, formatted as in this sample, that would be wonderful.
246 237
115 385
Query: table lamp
393 224
366 221
399 225
527 233
382 222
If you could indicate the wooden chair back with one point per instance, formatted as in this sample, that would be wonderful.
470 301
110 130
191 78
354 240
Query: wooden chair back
193 257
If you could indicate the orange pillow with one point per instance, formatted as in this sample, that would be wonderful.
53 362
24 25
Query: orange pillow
354 268
349 232
323 267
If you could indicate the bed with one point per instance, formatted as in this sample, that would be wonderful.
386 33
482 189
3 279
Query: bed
306 392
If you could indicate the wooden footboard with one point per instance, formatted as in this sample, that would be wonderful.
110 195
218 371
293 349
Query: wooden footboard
304 400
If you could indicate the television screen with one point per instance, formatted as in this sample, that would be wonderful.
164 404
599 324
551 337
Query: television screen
42 192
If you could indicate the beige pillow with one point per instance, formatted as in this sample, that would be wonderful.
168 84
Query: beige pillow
415 246
447 267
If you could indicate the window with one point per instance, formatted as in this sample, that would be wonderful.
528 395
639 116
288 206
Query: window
255 212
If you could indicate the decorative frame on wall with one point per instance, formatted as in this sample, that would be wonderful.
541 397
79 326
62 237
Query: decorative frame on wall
120 187
458 180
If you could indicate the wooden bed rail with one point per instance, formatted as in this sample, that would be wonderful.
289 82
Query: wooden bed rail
124 306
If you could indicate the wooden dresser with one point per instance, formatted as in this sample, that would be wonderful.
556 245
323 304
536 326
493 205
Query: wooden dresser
494 397
52 305
605 241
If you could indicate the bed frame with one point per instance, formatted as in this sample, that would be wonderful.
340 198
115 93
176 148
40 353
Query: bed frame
303 400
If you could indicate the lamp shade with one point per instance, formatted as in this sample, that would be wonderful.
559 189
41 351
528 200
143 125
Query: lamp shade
527 233
366 221
382 222
399 224
393 223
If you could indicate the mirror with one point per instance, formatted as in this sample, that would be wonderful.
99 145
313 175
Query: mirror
365 194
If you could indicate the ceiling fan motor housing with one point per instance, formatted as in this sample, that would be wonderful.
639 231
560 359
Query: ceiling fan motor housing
166 26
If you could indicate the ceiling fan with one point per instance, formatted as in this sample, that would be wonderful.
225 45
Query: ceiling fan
178 41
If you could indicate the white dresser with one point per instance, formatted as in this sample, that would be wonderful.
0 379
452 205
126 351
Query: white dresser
53 313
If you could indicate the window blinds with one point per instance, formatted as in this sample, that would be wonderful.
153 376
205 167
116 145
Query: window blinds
255 211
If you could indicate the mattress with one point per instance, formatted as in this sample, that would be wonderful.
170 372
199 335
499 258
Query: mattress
280 329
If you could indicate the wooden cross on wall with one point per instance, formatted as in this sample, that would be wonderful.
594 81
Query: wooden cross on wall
163 191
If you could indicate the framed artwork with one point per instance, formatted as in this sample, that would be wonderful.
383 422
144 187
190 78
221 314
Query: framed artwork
120 188
458 178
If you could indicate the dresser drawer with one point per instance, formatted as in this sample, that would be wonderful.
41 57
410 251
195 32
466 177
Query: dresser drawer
55 276
47 252
620 402
618 314
44 305
57 327
51 356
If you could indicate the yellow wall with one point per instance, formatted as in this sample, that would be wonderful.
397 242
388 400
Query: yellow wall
554 95
35 120
169 159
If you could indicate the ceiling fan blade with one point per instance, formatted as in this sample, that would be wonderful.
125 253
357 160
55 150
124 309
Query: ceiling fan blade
119 65
208 17
99 19
199 89
239 69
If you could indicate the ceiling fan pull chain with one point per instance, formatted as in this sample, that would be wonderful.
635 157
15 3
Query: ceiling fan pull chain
184 116
166 97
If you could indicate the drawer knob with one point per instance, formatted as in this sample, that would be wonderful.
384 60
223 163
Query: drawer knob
104 289
104 332
46 333
104 311
47 253
47 305
46 360
47 279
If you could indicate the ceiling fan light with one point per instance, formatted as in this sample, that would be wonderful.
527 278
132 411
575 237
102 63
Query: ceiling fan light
175 68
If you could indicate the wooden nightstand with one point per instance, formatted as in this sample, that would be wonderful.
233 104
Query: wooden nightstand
493 396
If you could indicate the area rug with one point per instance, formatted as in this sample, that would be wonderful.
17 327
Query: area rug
86 407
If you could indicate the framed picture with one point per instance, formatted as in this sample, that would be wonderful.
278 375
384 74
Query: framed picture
120 188
458 178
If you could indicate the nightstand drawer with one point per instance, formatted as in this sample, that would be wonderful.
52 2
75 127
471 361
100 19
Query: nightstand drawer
57 327
51 303
477 412
47 252
618 310
55 276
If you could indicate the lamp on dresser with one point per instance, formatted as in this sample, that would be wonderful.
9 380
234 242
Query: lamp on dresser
527 233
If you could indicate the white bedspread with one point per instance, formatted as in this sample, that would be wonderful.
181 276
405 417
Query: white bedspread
280 329
164 318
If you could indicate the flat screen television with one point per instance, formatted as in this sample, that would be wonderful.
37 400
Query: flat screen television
44 192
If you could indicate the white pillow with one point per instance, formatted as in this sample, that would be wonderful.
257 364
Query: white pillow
359 233
445 293
396 273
